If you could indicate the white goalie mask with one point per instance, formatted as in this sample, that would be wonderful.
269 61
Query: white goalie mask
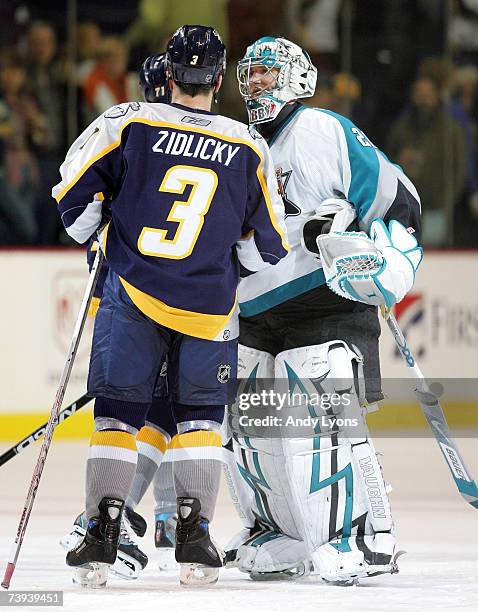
287 74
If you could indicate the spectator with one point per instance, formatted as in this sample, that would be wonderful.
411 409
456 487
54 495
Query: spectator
44 82
429 144
318 31
88 40
110 83
463 30
340 93
23 125
464 89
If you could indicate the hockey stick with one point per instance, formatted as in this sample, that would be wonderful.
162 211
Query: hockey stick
52 421
434 414
40 431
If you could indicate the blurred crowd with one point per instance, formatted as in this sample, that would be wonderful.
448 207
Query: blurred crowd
405 71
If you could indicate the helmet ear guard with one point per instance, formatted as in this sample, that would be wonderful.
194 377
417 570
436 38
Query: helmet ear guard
296 77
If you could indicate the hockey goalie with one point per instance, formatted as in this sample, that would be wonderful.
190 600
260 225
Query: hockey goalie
314 499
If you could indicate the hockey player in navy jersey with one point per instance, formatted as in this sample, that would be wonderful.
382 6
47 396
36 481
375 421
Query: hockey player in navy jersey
353 219
154 437
184 186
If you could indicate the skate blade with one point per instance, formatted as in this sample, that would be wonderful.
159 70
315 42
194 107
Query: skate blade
300 571
392 568
91 576
167 559
343 583
195 574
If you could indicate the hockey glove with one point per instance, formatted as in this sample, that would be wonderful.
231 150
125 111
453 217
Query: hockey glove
333 215
376 270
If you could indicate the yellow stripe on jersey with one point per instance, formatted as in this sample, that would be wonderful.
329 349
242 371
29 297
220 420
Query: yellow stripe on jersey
153 437
80 173
121 439
196 439
94 305
187 322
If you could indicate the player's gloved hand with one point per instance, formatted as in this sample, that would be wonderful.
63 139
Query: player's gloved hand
376 270
333 215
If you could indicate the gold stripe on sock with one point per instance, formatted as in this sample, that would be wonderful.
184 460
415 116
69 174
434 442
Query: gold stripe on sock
113 438
153 437
196 439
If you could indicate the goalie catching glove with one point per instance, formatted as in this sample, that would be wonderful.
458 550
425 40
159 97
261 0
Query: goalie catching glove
376 270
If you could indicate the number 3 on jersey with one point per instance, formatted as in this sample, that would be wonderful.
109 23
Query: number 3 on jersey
189 214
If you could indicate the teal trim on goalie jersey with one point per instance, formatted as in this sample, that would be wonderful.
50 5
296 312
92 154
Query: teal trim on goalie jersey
283 293
364 167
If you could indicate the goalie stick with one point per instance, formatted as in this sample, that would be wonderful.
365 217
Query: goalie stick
434 414
52 421
40 431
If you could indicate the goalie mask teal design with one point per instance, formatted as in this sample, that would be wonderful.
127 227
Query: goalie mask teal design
287 68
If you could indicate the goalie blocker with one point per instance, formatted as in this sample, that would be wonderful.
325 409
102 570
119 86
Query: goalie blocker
318 502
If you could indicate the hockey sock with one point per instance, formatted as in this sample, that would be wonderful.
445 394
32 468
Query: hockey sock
151 443
164 492
110 467
197 457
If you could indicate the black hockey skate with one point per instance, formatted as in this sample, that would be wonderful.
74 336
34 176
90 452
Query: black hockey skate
98 549
130 560
200 558
136 521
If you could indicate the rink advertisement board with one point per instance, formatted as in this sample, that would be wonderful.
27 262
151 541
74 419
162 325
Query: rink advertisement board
42 295
39 309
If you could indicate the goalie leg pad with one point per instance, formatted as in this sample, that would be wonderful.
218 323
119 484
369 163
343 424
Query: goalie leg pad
337 481
252 365
325 490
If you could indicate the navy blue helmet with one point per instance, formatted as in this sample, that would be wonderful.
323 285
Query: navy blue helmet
196 55
153 80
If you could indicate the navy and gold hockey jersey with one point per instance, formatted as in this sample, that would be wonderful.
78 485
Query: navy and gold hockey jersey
184 187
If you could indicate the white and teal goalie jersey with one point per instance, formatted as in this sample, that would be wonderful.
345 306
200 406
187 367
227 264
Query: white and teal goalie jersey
183 187
319 154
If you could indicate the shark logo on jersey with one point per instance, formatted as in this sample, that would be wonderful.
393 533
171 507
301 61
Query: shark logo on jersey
291 209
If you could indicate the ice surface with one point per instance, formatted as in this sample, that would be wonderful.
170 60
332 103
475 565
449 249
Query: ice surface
434 525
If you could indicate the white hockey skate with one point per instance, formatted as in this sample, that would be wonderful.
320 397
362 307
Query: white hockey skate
269 555
345 562
130 560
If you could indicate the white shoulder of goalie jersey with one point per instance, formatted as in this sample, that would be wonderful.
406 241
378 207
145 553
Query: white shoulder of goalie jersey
348 162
